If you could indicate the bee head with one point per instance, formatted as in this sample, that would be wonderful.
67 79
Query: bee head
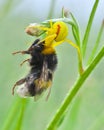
37 46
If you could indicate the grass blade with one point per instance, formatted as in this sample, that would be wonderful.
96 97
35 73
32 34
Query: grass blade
6 8
99 122
72 93
74 114
21 116
97 43
76 30
88 28
18 106
52 5
11 115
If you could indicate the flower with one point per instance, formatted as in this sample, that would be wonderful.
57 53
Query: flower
33 29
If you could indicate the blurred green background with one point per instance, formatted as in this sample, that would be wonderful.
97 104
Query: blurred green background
87 109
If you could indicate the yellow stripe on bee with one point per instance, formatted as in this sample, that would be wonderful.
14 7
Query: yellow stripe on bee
48 50
43 84
48 83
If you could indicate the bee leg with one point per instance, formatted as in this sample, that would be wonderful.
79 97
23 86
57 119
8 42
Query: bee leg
22 52
24 62
21 81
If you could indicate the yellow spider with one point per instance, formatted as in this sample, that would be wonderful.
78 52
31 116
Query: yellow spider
56 34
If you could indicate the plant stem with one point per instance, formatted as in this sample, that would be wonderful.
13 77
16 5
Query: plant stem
21 116
98 122
97 43
88 28
51 9
11 115
72 93
6 8
76 29
18 107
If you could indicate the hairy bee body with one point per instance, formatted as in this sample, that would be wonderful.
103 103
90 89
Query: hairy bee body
43 64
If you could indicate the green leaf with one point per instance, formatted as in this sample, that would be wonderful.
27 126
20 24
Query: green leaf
99 122
52 6
88 28
75 35
6 8
74 90
18 106
97 43
14 109
74 113
63 14
21 115
77 29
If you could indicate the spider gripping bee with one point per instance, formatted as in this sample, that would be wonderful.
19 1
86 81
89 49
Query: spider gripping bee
43 63
43 59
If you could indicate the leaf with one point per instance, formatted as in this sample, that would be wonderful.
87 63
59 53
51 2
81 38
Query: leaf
88 28
74 113
74 89
97 43
99 122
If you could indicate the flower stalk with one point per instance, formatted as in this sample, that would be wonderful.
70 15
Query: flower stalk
74 90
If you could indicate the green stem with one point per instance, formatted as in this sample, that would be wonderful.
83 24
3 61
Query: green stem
72 93
63 13
52 5
88 28
11 115
98 122
6 8
17 107
97 43
21 116
74 113
76 30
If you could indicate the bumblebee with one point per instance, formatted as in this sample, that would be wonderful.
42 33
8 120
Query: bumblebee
43 63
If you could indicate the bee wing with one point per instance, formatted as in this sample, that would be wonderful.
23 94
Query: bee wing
43 81
37 97
48 94
44 76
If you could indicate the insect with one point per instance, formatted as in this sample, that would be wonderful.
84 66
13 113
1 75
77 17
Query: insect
43 65
43 60
56 34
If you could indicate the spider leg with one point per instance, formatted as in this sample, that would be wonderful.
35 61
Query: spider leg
79 54
45 28
57 43
49 40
